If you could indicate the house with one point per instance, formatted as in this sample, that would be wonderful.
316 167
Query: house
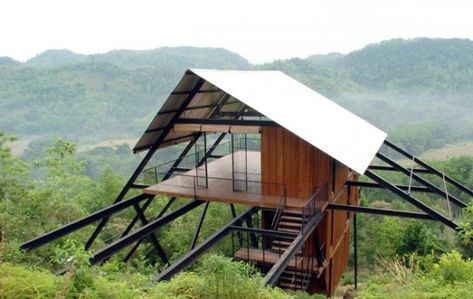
264 140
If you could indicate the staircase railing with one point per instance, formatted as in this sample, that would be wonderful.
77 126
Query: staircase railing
313 204
280 210
294 257
246 239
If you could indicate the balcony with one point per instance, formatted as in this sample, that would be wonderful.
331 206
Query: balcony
232 175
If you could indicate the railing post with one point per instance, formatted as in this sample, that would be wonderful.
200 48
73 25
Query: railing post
195 188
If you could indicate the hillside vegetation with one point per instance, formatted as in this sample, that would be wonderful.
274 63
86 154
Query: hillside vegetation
398 256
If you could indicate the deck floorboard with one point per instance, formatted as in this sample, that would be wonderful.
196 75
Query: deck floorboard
220 186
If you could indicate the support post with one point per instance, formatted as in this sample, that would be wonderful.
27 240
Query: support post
254 240
152 236
137 244
199 226
355 250
240 238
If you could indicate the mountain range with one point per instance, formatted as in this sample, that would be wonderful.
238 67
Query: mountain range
419 85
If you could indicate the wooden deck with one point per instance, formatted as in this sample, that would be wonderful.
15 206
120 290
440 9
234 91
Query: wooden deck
220 186
270 258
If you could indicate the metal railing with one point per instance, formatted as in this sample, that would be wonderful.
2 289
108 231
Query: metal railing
245 241
154 174
222 187
314 204
279 211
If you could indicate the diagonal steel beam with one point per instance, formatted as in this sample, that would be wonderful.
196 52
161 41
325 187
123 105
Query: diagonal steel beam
152 236
192 255
376 211
176 163
137 244
422 206
421 180
199 226
428 167
376 185
82 222
389 168
146 159
142 232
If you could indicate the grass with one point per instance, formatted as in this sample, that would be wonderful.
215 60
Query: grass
464 148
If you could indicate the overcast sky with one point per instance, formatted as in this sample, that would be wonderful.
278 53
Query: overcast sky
260 31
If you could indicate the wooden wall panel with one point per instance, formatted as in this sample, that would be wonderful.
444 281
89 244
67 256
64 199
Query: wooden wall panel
287 159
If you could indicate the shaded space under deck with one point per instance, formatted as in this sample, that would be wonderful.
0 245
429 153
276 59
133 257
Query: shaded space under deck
220 185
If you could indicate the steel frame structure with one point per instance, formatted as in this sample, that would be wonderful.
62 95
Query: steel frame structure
404 191
216 117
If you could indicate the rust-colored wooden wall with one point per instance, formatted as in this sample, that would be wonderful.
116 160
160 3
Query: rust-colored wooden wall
287 159
337 226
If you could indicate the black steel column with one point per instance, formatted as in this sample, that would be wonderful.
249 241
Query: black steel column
138 243
199 226
355 250
240 238
152 236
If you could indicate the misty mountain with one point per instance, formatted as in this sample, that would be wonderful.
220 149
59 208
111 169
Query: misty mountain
62 56
171 57
8 61
413 65
423 85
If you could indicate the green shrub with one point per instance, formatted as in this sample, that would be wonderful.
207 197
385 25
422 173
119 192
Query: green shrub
452 268
451 277
20 282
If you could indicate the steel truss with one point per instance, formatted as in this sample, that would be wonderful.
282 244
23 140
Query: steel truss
218 117
148 227
404 191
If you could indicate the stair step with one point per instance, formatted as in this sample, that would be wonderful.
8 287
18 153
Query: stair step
292 213
290 286
291 230
282 249
289 224
291 218
291 279
281 243
291 272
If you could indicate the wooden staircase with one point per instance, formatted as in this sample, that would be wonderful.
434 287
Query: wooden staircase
295 277
294 281
290 221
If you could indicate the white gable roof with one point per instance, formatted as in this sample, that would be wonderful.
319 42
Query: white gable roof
309 115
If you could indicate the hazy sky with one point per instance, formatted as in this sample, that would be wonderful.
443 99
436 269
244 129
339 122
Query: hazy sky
259 30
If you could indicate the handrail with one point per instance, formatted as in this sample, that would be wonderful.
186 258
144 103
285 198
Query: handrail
162 167
273 275
310 206
281 208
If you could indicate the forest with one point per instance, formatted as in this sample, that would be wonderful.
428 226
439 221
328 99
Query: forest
420 91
